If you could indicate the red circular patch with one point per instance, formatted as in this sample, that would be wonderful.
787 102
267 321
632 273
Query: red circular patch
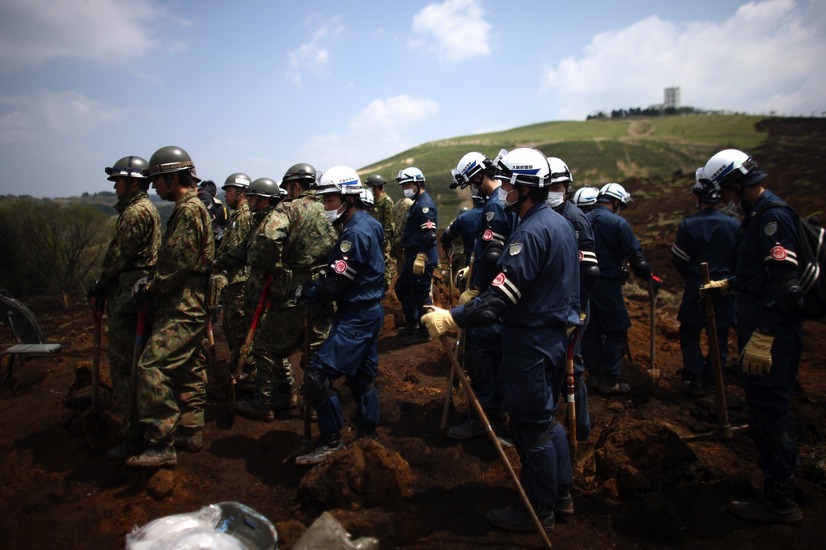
778 253
499 280
487 235
581 256
340 266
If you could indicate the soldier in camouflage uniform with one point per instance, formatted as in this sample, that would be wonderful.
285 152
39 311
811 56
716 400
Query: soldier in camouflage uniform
382 210
132 254
291 244
172 368
231 259
400 211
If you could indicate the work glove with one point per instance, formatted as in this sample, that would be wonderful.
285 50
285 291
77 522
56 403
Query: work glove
468 295
461 277
582 317
721 284
141 289
418 263
438 321
757 355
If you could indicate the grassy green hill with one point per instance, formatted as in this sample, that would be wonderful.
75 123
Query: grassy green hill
597 151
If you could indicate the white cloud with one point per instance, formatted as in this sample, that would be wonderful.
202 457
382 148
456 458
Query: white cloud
313 57
454 30
103 31
383 128
767 57
45 114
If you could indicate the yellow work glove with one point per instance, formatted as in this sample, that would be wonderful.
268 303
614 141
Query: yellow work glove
722 284
418 263
757 355
438 321
582 317
468 295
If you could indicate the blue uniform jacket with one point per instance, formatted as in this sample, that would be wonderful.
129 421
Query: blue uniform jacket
468 226
766 248
420 228
585 240
356 265
497 227
614 239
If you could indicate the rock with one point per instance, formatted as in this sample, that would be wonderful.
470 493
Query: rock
162 484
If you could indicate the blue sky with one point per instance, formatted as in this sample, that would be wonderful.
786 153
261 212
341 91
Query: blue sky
256 86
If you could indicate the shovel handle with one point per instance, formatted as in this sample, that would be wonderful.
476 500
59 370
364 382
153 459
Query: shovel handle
720 403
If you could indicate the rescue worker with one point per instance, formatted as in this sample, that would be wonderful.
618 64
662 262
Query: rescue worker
536 294
561 179
171 388
231 260
291 244
467 225
353 280
382 210
207 191
712 237
606 337
769 328
132 255
483 344
413 288
585 198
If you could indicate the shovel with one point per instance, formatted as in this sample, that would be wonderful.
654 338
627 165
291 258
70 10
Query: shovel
263 304
714 351
582 454
93 423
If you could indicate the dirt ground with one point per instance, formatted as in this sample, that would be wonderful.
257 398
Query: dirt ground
412 488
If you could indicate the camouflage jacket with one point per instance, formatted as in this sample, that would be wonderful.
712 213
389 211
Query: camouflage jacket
289 243
232 254
400 211
188 248
136 241
383 212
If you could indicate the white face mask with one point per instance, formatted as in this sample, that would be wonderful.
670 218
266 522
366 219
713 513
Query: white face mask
332 215
503 197
410 193
555 198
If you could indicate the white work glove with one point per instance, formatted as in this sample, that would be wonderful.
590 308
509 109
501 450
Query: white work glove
438 321
757 355
722 284
418 263
468 295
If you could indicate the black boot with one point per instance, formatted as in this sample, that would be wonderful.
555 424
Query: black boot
775 505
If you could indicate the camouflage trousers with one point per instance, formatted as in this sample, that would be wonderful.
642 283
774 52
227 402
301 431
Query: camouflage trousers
281 333
122 315
172 367
389 264
235 321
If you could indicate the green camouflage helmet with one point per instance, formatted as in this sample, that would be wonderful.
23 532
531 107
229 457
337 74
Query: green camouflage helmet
169 159
127 167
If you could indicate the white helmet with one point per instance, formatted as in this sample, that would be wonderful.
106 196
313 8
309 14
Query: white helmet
560 172
410 175
586 196
614 191
339 179
524 166
703 188
366 198
469 165
731 165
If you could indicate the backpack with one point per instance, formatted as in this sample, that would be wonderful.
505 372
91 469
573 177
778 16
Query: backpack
811 260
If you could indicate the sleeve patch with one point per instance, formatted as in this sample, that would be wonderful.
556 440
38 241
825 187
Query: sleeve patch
489 215
778 253
770 229
499 280
425 210
340 266
487 235
345 246
515 248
